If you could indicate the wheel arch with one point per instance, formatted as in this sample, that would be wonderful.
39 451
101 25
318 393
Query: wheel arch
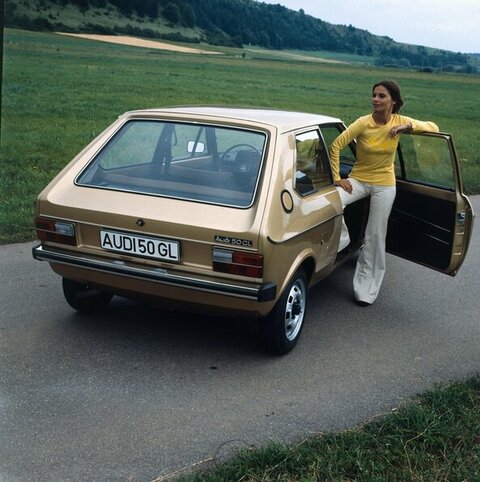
305 260
308 264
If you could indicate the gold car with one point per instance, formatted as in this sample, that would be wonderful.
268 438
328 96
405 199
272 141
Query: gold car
233 211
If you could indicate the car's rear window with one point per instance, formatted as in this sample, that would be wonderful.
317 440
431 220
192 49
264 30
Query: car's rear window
197 162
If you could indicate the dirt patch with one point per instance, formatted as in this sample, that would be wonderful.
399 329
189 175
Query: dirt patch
137 42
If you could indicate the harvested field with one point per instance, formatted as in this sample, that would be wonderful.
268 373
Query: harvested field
138 42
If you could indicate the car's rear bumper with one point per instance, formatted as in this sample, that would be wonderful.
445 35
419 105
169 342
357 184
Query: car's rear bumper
254 292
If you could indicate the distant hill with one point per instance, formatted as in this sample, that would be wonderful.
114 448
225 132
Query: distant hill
233 23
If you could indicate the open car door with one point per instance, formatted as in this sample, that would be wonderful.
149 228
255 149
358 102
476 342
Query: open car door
432 219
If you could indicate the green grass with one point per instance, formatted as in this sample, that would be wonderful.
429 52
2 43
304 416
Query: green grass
60 92
435 437
303 55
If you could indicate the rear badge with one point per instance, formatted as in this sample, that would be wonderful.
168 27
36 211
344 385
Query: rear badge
233 241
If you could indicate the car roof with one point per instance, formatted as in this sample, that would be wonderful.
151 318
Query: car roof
281 119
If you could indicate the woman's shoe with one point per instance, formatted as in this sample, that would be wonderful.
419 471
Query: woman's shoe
362 303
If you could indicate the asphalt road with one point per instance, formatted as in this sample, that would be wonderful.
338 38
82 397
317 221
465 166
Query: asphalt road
137 393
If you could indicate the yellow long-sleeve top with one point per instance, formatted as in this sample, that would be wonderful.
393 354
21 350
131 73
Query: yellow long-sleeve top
375 148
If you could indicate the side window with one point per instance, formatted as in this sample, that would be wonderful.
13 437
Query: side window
312 164
347 156
425 160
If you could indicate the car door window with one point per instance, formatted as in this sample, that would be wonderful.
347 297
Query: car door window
347 156
312 164
425 160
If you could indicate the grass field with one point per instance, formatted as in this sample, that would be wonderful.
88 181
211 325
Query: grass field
60 92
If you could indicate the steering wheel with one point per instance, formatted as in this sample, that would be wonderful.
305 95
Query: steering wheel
224 156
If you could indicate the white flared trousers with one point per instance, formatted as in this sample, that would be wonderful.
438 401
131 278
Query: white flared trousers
370 268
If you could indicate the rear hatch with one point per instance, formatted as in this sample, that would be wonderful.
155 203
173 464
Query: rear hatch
165 193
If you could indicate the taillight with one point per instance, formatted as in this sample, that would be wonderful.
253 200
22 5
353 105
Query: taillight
238 262
56 231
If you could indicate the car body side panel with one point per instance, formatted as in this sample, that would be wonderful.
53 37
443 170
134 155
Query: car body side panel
307 229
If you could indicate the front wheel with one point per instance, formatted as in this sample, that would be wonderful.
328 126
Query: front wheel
281 329
84 298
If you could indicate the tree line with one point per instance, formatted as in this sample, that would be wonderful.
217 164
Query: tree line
248 22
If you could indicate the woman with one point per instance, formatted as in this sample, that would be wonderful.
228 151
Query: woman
373 175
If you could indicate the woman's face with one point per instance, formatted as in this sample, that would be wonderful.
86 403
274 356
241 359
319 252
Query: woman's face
382 100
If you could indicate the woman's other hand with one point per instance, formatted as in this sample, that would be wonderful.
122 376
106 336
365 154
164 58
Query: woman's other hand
400 129
344 184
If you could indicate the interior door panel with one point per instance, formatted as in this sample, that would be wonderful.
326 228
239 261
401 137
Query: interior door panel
431 219
422 225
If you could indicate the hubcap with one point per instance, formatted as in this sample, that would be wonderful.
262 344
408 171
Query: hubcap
294 310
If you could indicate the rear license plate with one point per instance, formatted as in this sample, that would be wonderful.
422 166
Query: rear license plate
157 248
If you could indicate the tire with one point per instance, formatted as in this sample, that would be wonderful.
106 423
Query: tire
281 329
83 298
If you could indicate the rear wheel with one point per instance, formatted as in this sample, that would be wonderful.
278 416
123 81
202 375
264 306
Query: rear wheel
281 329
84 298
